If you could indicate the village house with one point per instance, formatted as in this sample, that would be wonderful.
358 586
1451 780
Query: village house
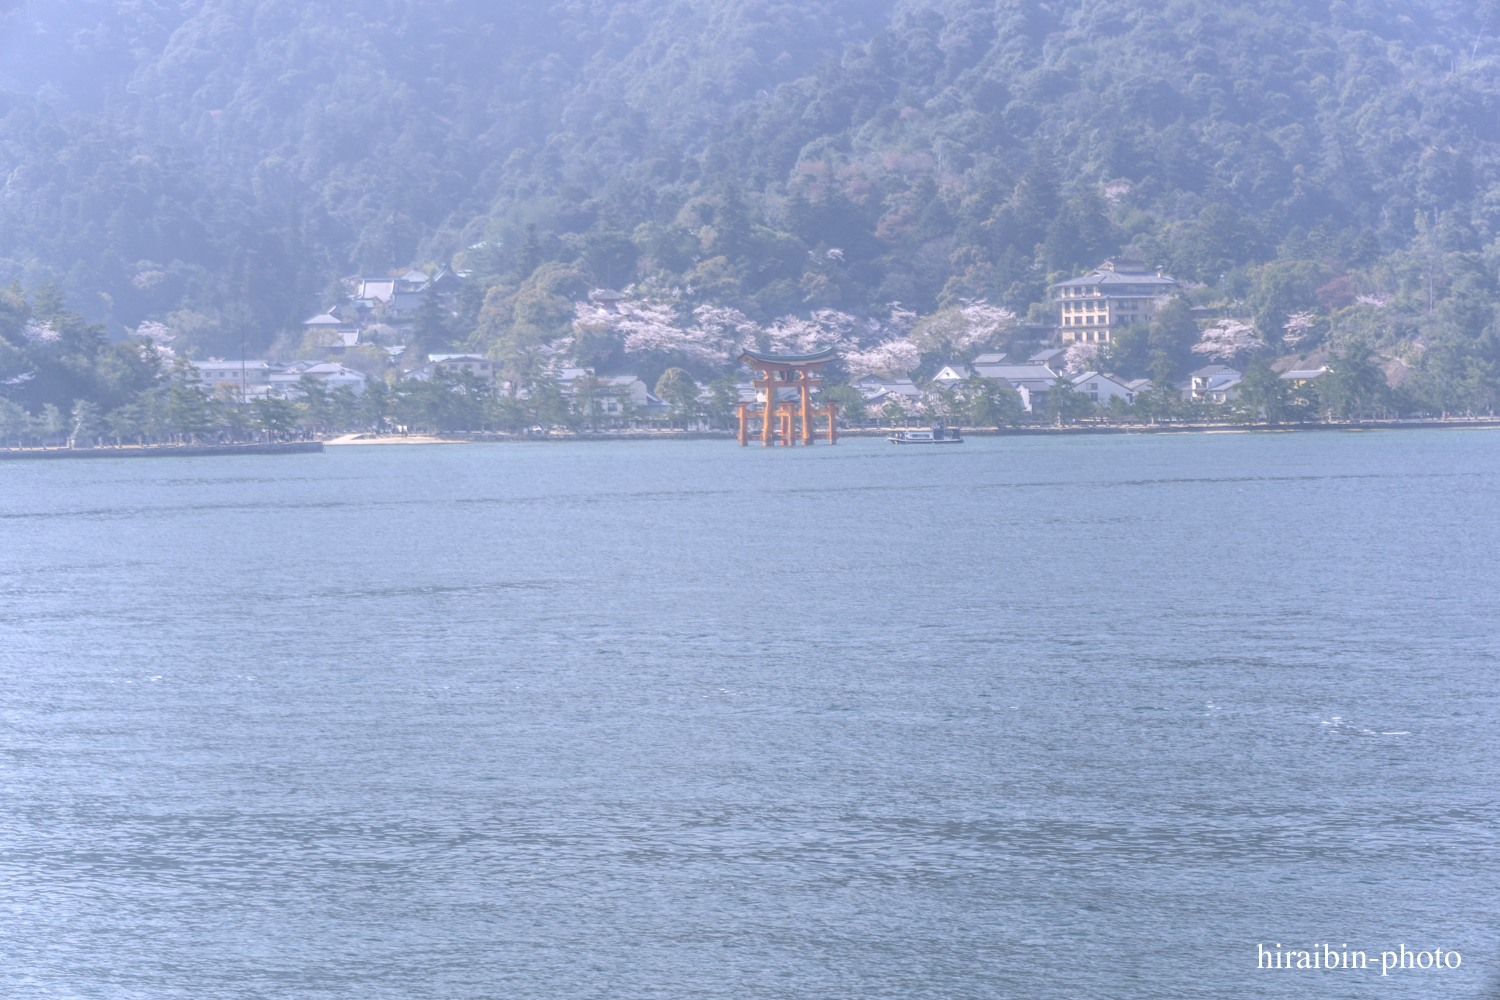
1101 388
332 332
1119 292
1215 383
395 301
873 384
1034 393
612 400
951 375
262 379
239 374
1032 382
480 367
878 390
284 378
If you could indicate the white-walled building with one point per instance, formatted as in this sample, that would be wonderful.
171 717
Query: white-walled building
951 375
284 378
241 374
615 399
1216 383
1101 388
480 367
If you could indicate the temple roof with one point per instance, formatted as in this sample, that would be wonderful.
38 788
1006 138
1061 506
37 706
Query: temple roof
826 354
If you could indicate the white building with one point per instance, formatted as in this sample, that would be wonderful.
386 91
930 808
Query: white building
614 399
283 379
240 374
953 374
1033 393
878 390
480 367
1215 383
1101 388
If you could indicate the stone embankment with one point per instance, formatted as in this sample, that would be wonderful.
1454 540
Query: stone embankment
164 451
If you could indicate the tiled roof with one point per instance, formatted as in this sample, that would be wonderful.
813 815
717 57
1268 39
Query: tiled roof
1135 282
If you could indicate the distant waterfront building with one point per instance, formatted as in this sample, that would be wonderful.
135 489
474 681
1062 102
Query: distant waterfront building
951 375
610 400
1033 393
878 390
241 374
1120 291
284 378
1215 383
1101 387
477 365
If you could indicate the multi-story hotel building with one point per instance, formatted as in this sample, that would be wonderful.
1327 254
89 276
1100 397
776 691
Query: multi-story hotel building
1119 292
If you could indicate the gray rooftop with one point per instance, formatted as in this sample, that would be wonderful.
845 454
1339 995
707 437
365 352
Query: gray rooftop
1013 372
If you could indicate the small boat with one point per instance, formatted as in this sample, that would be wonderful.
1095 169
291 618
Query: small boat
939 434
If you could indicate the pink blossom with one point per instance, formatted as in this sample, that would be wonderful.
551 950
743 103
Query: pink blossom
1297 326
1078 356
897 357
1229 338
40 333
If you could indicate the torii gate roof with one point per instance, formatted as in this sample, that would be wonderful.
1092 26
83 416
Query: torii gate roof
826 354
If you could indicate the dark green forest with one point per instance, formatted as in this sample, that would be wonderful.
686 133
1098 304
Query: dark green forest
218 165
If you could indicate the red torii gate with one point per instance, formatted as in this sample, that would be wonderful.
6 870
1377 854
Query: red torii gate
788 371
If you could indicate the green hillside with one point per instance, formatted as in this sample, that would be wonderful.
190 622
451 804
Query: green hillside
217 166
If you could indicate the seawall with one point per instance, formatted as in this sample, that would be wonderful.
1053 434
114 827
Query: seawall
164 451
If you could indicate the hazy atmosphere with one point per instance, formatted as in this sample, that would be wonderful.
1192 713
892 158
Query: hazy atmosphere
222 171
708 499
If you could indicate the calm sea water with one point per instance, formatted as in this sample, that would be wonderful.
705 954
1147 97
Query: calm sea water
1079 718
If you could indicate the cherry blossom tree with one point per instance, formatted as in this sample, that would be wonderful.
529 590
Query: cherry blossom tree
158 335
794 335
895 357
40 333
721 330
729 324
1229 338
901 320
838 327
964 329
1079 356
987 323
647 326
875 346
1297 327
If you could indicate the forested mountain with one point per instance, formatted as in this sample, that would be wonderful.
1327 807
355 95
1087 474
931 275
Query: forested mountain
217 165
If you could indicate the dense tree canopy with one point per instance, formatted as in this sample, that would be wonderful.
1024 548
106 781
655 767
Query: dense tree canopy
214 165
